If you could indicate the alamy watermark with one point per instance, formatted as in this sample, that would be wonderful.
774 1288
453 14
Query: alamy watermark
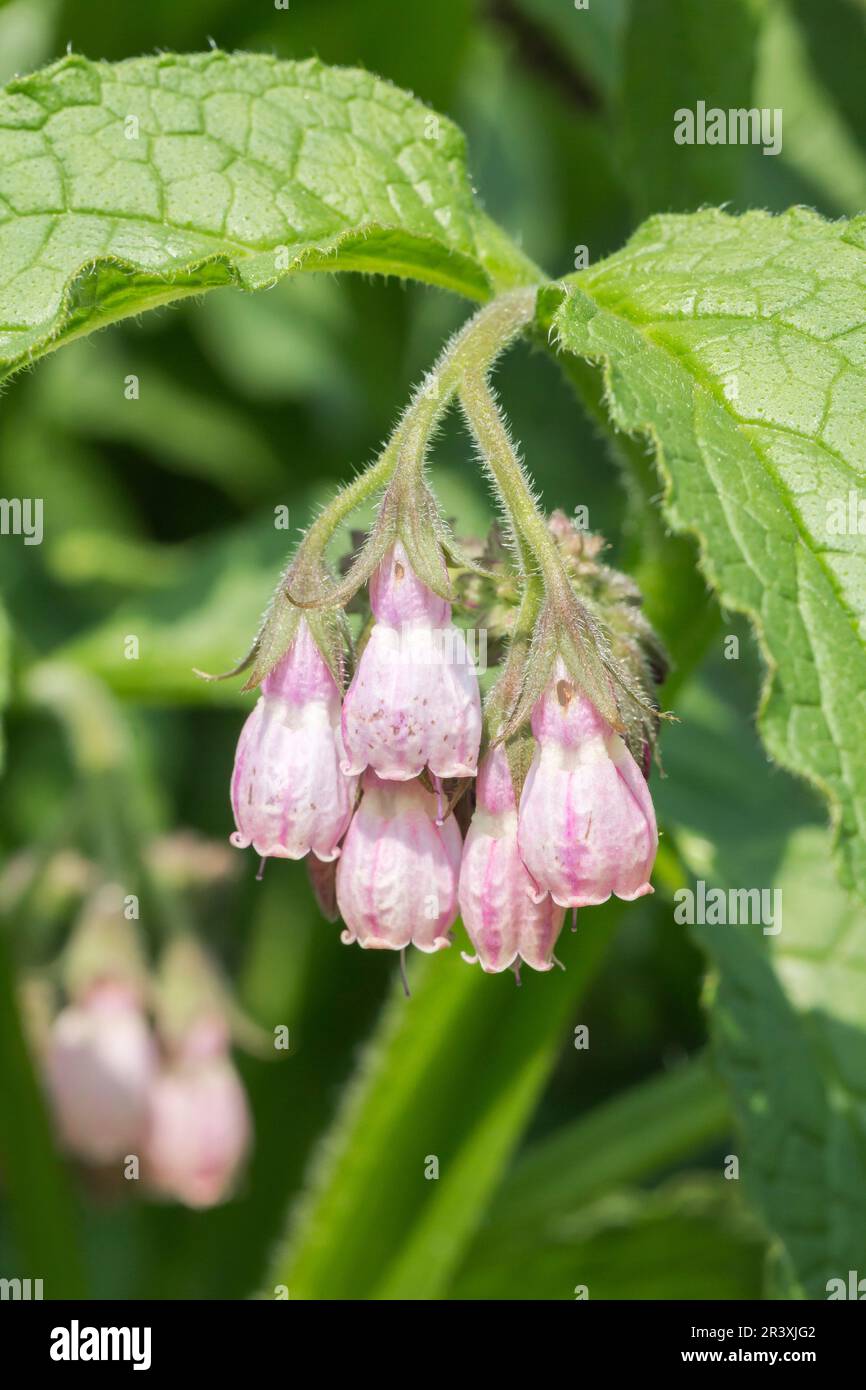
21 1290
77 1343
743 125
719 907
22 516
412 645
853 1288
846 515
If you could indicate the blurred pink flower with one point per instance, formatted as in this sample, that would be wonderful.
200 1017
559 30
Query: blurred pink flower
100 1061
199 1129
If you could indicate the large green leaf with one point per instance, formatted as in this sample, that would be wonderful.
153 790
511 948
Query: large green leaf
129 185
738 346
787 1007
790 1032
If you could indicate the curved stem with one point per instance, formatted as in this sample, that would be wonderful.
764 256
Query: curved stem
471 350
99 743
304 584
500 458
576 634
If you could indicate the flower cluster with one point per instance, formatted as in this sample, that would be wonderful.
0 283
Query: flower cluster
158 1100
383 783
411 799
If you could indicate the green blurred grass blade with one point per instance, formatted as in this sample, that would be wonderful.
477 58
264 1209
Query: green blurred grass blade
81 392
823 144
452 1073
690 1239
5 665
41 1209
678 53
666 1119
590 40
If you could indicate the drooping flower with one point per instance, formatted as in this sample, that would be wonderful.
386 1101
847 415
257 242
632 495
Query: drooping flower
586 825
397 875
503 920
199 1129
100 1062
289 794
414 700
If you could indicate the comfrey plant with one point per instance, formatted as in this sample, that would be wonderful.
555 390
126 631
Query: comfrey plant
376 757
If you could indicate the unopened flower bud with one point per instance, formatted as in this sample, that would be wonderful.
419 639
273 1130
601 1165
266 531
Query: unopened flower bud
503 920
99 1063
397 875
414 700
289 794
199 1128
587 827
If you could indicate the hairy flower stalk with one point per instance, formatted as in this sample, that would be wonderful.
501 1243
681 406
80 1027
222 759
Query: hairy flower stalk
559 814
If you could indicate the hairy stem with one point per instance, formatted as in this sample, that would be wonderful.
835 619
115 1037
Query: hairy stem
473 349
500 458
575 633
399 468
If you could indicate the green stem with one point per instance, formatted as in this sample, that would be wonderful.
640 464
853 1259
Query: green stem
473 349
400 466
488 427
578 636
371 1226
100 747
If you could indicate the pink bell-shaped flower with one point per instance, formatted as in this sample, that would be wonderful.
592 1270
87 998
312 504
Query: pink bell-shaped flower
503 920
289 794
414 700
397 875
100 1062
586 825
199 1127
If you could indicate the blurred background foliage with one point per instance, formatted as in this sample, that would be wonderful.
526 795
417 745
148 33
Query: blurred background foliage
559 1167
